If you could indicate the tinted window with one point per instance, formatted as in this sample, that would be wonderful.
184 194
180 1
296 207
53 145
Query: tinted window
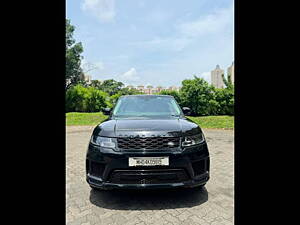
146 106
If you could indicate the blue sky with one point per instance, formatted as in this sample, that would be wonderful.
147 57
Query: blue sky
153 42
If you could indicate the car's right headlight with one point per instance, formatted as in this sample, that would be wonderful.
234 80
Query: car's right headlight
193 140
103 141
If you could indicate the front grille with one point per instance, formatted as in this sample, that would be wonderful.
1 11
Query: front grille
96 169
148 176
148 143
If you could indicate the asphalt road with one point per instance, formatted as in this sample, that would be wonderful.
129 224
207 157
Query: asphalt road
212 205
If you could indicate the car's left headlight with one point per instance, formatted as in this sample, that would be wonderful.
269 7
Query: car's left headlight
103 141
193 140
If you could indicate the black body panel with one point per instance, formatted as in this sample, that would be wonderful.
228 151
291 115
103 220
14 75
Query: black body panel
108 168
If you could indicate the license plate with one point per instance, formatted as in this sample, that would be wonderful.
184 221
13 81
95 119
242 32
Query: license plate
148 161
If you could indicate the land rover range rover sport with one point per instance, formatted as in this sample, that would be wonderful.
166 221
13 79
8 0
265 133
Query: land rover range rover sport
147 142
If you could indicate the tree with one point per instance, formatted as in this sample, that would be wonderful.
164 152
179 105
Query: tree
228 81
95 83
173 93
75 98
225 99
74 50
197 94
113 99
214 107
96 100
82 99
111 86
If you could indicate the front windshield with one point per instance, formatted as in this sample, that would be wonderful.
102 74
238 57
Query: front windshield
146 106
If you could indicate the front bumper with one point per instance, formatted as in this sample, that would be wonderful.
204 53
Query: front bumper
189 168
98 183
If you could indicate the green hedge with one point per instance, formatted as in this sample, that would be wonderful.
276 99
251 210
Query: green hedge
85 99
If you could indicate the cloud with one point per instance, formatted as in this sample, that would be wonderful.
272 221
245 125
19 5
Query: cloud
130 76
103 10
214 22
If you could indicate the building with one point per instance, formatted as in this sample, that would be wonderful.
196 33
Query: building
87 79
159 88
155 90
216 77
230 70
173 88
140 88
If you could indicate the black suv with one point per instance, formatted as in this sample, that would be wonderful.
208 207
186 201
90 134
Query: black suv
147 142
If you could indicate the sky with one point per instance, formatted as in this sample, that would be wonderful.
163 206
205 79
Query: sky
152 42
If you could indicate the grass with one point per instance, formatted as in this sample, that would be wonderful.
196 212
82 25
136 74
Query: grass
215 122
81 119
92 119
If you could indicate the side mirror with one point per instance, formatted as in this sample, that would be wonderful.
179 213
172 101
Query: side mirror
106 111
186 111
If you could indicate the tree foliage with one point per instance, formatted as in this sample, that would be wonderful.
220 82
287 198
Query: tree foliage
228 81
95 84
82 99
173 93
111 86
197 94
225 99
74 50
93 97
204 99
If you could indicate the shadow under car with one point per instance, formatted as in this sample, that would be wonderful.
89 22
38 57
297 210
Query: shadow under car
149 199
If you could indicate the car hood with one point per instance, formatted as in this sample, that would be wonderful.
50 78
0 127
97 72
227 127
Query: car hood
147 128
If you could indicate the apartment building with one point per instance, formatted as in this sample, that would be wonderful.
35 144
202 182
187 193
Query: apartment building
230 70
216 77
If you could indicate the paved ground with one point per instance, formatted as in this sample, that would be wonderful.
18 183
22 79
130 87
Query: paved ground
212 205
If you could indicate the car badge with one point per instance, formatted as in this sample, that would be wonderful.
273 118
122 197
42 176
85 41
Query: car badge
171 144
